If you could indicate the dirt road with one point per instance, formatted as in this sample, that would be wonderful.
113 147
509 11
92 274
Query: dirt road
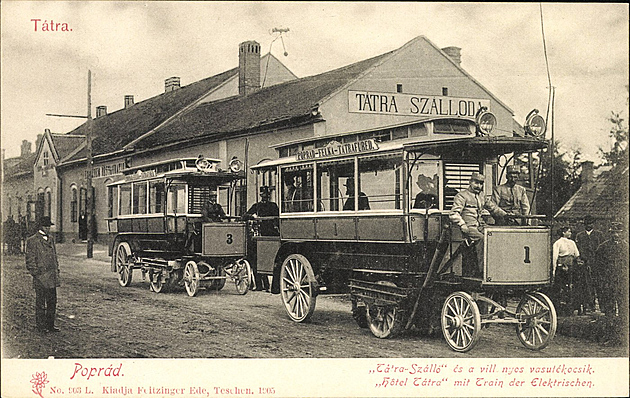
100 319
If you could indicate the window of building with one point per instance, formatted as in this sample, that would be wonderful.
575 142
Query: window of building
125 199
379 184
399 88
156 196
140 197
453 127
445 91
48 203
74 204
297 190
45 158
332 179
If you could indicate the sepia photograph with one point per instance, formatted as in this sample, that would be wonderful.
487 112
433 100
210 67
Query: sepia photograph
314 199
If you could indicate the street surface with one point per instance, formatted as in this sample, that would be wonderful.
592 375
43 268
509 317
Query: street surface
100 319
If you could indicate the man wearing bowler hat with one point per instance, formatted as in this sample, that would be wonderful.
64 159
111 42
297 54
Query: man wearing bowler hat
466 213
511 197
41 262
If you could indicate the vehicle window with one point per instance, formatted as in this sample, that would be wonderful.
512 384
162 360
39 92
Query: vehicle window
424 182
156 196
125 199
297 189
140 197
176 199
379 183
331 180
112 201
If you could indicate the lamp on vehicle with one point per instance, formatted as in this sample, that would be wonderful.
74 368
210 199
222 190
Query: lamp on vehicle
235 165
535 124
486 121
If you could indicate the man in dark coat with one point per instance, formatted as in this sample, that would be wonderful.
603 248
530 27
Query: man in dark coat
587 242
612 264
41 262
268 226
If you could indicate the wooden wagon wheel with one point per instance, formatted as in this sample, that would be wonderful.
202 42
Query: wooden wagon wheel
191 278
242 276
461 322
537 321
157 284
384 321
122 263
298 287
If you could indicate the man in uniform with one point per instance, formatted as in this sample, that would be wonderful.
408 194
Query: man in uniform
211 210
266 227
41 262
466 213
511 197
587 242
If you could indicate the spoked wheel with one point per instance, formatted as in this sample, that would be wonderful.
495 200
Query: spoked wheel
157 284
298 287
122 262
359 313
384 321
242 276
537 321
461 322
191 278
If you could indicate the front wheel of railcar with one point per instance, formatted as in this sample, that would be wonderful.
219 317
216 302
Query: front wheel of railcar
191 278
537 321
298 287
122 263
461 322
242 277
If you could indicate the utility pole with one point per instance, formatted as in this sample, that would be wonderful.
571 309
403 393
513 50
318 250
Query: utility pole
90 189
88 168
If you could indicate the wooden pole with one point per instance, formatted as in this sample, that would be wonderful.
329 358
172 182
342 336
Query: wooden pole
90 193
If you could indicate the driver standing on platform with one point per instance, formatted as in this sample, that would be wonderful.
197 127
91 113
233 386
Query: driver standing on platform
466 213
511 197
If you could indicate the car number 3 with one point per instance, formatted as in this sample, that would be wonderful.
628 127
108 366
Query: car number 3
229 239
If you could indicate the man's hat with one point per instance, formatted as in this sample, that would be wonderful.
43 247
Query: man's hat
589 219
349 182
45 222
477 177
265 191
513 169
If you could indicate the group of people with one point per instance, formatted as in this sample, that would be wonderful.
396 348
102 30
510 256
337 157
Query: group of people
14 234
593 267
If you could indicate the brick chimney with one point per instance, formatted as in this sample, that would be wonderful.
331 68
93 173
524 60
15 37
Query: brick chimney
101 111
454 53
128 101
39 139
171 84
25 149
248 67
587 175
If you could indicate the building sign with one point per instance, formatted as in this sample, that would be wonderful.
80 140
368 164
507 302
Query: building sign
413 105
106 171
139 175
335 148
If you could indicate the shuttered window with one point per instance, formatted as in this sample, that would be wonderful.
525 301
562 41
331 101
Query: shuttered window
457 176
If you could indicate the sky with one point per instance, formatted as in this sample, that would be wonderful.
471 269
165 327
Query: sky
132 47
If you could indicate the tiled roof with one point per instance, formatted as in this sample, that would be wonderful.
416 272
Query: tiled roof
113 131
65 144
605 198
281 102
23 167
